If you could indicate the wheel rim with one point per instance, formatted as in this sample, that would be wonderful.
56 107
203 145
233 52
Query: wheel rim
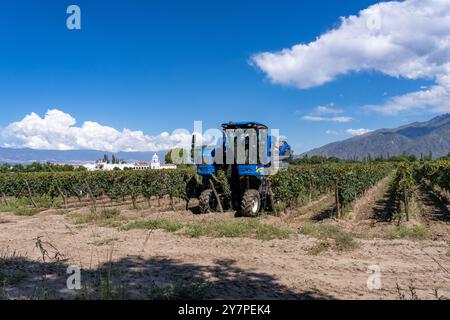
255 206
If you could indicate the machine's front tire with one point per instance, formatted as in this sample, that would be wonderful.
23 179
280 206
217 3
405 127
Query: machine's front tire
207 201
251 203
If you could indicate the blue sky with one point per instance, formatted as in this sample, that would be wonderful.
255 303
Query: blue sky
157 66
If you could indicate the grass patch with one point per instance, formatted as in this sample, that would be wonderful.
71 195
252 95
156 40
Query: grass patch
320 247
322 231
46 202
416 232
196 230
154 224
215 229
196 290
345 242
13 204
104 216
109 213
270 232
26 212
280 206
218 229
342 240
236 229
21 211
309 230
24 207
17 204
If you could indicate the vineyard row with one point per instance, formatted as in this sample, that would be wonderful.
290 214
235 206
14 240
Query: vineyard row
297 185
409 175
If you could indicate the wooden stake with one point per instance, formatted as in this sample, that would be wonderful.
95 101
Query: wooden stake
133 200
30 195
405 195
219 204
338 204
4 198
94 202
172 204
310 192
62 195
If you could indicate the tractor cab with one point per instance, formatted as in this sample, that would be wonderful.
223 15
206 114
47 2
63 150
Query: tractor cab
251 145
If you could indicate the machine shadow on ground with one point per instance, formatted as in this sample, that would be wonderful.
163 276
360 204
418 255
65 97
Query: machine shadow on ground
135 278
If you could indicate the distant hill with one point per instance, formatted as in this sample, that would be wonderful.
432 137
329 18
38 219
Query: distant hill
415 138
24 156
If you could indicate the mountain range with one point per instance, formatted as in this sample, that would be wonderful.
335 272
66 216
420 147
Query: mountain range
419 138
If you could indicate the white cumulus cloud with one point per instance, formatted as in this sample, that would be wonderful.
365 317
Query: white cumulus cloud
327 119
328 109
332 132
58 130
357 132
408 39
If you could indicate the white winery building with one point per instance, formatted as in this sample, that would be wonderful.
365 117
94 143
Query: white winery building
154 165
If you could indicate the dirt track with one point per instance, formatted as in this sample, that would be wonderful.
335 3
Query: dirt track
233 268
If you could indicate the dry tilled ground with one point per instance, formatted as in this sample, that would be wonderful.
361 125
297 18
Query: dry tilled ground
156 253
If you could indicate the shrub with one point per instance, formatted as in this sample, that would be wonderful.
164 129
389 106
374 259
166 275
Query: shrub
416 232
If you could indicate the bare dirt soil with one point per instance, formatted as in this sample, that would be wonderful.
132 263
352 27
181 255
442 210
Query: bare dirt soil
35 251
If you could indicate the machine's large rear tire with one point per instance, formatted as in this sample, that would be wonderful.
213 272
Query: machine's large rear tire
251 203
207 201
